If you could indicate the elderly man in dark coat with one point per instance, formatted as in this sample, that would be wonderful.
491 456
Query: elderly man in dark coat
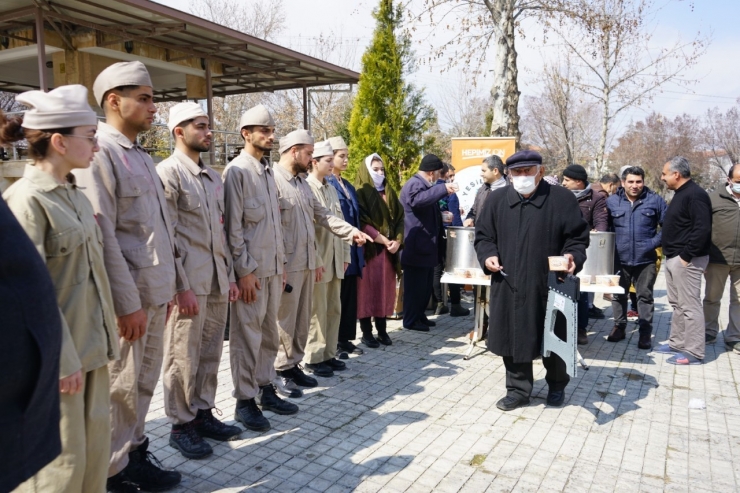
517 229
422 230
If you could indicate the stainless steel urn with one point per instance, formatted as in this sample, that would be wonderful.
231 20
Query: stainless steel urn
460 252
599 255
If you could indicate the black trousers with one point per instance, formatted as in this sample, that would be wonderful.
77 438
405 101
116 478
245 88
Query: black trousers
366 326
520 377
348 318
643 277
437 287
417 288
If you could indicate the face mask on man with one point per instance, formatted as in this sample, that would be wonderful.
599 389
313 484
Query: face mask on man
735 187
524 184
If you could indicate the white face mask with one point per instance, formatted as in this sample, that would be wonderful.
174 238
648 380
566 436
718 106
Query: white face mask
735 187
524 184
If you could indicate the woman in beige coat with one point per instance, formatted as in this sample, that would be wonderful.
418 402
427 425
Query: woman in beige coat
60 130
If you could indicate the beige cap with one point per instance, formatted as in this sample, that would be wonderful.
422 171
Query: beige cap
337 143
183 112
63 107
120 74
321 149
258 116
294 138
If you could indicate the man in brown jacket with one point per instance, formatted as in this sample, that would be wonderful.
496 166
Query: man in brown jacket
195 330
139 252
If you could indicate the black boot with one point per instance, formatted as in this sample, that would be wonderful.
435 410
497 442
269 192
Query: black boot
145 474
320 369
335 364
269 401
208 426
190 444
120 484
248 414
381 325
300 378
366 325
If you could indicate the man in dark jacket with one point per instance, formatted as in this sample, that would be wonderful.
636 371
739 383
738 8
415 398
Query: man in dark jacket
422 223
494 177
687 233
635 212
724 261
517 229
351 211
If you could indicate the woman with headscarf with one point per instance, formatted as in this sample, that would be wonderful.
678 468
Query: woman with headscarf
60 130
381 218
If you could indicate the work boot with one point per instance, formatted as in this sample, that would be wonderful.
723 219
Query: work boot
208 426
441 309
286 387
645 341
248 414
582 337
617 334
120 484
320 369
269 401
457 310
190 444
300 378
145 474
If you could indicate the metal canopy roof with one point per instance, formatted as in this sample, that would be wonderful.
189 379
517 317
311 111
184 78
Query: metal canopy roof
249 64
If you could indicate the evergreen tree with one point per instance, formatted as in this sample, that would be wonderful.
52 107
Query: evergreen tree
388 115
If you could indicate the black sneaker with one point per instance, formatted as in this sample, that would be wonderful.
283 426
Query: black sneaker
269 401
370 341
320 369
145 474
190 444
248 414
509 403
208 426
300 378
120 484
335 364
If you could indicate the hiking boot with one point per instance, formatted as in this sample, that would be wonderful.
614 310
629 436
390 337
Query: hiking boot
190 444
458 310
269 401
248 414
645 341
320 369
147 475
617 334
335 364
582 337
120 484
208 426
286 387
300 378
370 341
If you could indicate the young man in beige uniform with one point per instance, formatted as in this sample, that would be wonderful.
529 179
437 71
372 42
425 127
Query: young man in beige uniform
139 251
299 209
255 241
193 338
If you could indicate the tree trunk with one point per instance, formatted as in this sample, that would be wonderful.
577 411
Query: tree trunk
505 90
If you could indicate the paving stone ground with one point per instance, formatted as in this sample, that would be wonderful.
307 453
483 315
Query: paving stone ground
416 417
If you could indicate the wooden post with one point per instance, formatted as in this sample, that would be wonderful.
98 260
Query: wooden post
41 45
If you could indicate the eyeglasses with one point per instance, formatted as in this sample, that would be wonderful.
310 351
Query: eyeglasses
93 139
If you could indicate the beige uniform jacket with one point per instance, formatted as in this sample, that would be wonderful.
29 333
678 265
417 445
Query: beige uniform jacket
195 196
253 230
60 222
298 211
332 251
128 198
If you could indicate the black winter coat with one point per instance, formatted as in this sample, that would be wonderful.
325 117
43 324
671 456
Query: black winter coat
29 357
523 234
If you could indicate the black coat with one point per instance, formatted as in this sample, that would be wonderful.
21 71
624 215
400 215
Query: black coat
523 235
422 222
29 357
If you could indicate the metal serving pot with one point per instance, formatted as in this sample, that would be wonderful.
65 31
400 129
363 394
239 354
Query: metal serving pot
460 252
599 255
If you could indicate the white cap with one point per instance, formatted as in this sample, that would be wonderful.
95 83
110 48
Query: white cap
257 116
120 74
63 107
321 149
337 143
294 138
183 112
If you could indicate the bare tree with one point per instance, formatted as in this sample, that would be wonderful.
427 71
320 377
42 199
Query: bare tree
263 20
464 110
722 133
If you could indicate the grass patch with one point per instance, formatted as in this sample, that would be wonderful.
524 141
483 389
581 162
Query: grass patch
478 459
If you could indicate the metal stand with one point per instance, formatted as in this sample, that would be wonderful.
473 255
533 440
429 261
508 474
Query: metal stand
563 297
481 304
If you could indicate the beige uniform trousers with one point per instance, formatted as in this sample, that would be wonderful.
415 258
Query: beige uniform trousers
294 317
683 285
132 382
253 339
192 353
716 277
85 431
323 333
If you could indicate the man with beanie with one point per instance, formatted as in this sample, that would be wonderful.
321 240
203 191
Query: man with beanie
593 210
255 240
139 252
299 211
195 328
420 198
687 237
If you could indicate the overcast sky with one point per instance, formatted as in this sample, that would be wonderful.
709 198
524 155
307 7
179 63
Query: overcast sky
717 73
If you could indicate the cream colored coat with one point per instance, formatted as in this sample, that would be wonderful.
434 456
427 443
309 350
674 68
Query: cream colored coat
331 251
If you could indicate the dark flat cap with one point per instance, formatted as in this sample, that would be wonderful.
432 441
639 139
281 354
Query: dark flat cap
524 158
576 172
430 162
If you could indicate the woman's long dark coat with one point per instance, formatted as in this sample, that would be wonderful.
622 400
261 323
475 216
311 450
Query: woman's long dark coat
523 234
